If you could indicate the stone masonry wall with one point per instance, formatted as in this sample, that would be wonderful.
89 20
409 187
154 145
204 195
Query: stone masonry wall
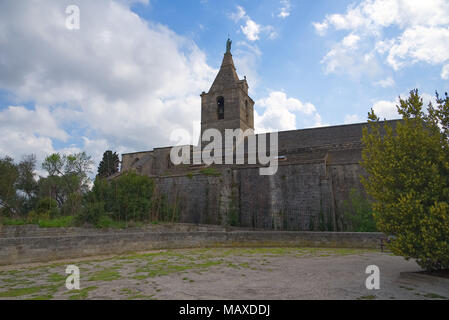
27 244
299 197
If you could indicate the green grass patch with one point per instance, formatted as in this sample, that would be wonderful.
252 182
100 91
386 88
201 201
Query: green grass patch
434 296
81 294
43 297
369 297
60 222
19 292
56 277
210 172
108 274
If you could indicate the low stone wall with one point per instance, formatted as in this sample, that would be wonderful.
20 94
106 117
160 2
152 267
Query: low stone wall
53 244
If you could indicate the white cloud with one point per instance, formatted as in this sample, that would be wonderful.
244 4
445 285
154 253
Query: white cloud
386 109
285 9
342 59
120 82
445 72
246 57
385 83
251 29
422 36
280 113
238 15
351 40
321 28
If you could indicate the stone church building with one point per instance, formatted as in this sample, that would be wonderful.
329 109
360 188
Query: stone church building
317 168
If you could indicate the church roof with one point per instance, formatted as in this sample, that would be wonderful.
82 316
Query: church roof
227 76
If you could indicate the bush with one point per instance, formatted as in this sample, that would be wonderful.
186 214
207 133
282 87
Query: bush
72 205
408 179
92 213
359 212
129 198
49 205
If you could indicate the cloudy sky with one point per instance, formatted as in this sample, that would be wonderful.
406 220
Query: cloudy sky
133 72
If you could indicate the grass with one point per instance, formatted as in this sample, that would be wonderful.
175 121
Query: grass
58 222
19 292
43 297
56 277
107 274
81 294
210 172
433 296
369 297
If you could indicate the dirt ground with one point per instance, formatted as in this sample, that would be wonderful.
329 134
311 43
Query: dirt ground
237 273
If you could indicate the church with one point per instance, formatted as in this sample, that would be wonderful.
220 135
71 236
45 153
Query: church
317 169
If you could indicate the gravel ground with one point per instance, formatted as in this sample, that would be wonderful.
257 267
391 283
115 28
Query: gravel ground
237 273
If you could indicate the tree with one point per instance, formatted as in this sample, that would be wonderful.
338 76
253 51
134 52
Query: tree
68 178
9 201
109 165
26 181
408 179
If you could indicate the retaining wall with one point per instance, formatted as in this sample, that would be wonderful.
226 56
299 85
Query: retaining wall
25 244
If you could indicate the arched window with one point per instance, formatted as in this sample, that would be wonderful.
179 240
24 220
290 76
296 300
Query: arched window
220 108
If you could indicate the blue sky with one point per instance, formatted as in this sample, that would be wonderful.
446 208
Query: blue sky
133 72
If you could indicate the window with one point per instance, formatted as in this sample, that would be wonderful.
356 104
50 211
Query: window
220 108
246 111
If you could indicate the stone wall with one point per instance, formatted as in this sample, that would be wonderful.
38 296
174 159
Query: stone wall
27 244
299 197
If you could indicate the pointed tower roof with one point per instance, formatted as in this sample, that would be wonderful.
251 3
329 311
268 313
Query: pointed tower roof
227 76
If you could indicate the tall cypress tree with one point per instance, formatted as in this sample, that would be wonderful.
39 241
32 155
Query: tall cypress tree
109 165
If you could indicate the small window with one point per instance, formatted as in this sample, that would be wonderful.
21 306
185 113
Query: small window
220 108
247 111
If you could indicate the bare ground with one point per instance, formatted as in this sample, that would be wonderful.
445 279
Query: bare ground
237 273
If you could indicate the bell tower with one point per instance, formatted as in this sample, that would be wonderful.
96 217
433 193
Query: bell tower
227 104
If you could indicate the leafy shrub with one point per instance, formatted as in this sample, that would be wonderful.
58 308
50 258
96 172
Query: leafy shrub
128 198
408 179
92 213
47 205
359 212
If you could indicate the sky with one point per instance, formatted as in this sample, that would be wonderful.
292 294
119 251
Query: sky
132 73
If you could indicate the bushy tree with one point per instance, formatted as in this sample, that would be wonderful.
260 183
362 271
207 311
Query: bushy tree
129 197
408 179
108 165
18 186
9 203
67 180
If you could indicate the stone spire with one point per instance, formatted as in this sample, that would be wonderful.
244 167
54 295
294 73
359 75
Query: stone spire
227 76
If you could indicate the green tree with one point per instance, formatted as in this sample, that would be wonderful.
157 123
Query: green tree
109 164
129 197
9 201
67 180
26 181
18 186
408 178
